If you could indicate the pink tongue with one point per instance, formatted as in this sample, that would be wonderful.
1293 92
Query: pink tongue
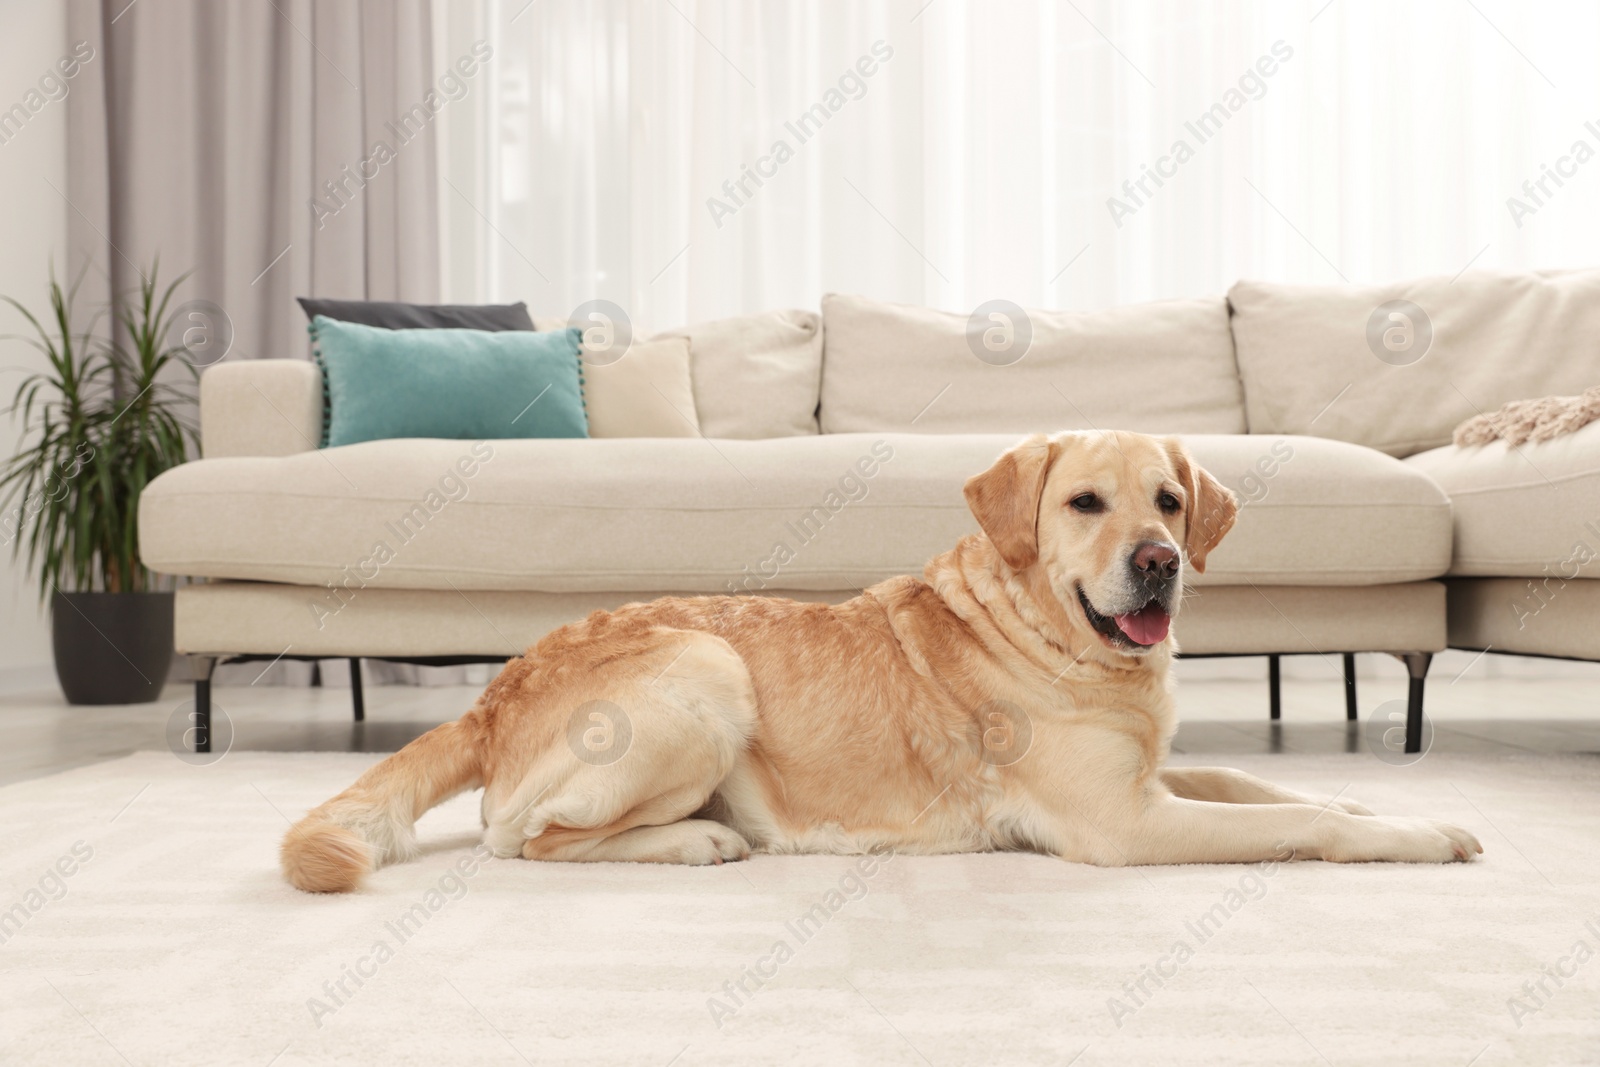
1147 626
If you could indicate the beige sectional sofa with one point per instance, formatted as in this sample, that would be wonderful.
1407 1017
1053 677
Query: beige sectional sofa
833 455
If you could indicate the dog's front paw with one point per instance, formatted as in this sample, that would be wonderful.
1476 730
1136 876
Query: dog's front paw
1395 840
1463 845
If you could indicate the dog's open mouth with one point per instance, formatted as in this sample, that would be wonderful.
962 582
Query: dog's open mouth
1133 629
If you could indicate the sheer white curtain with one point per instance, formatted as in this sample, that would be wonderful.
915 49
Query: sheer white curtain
1345 140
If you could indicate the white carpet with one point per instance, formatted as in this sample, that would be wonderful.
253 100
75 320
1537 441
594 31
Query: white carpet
176 942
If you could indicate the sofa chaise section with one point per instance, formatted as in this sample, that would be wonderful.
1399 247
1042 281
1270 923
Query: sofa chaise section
1525 571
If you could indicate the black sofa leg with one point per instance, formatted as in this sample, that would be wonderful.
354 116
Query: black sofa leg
1417 664
355 689
1350 686
1274 688
202 667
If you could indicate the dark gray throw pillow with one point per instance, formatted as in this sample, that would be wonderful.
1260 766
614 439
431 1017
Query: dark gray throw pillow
391 315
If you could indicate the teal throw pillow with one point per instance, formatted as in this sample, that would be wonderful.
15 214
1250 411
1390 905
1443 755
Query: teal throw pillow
458 384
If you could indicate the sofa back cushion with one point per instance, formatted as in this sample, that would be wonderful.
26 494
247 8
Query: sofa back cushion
756 376
1397 367
1158 368
645 393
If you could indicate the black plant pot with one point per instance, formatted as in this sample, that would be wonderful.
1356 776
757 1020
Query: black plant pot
112 648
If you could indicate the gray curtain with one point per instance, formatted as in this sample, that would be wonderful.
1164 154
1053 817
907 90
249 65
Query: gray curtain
259 144
276 148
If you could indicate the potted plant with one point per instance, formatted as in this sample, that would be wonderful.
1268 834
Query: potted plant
98 425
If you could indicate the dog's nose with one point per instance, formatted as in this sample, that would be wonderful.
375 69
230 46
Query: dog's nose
1156 559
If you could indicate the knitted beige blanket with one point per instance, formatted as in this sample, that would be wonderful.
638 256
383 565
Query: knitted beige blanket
1536 420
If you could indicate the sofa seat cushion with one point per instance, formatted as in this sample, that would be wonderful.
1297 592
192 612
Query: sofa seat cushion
830 512
1320 512
1527 511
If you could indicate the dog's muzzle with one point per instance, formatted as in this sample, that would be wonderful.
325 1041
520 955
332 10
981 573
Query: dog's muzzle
1142 618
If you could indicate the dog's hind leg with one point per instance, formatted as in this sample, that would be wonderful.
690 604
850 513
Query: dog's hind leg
644 739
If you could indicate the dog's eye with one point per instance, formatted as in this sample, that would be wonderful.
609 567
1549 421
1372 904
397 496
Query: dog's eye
1086 502
1168 503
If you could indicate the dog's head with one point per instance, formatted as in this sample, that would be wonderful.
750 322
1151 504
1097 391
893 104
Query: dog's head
1108 522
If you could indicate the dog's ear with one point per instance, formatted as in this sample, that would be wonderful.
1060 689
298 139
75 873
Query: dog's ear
1005 500
1209 509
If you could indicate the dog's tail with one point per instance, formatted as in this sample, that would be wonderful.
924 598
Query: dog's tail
372 823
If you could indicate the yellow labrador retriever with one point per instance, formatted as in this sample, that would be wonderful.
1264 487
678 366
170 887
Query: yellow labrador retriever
1016 696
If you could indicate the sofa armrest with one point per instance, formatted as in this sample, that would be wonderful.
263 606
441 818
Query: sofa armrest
260 407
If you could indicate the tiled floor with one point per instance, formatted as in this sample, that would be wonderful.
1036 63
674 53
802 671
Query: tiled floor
1471 712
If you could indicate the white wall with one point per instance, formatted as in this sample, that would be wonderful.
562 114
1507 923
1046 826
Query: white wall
33 230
